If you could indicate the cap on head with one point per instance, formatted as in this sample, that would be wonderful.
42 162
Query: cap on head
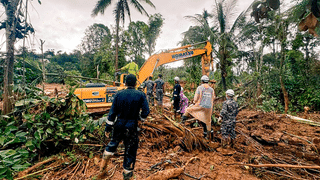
205 78
230 92
176 78
131 80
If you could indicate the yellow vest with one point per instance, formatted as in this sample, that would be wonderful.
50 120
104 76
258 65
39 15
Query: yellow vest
132 68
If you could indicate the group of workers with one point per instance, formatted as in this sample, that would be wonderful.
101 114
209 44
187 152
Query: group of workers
131 105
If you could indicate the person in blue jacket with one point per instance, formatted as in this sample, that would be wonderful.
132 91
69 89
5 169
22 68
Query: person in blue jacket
123 121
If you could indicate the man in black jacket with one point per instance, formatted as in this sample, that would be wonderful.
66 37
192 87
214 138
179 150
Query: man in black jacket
123 120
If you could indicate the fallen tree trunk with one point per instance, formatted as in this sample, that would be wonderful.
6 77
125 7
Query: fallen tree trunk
278 165
305 121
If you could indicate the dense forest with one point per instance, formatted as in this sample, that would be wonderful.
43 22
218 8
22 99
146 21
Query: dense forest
268 54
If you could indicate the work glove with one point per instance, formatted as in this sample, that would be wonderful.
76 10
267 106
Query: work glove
109 126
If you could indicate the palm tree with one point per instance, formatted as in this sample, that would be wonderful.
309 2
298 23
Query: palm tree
224 35
11 9
121 10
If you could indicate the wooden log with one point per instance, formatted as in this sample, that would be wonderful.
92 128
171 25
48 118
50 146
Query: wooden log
27 171
305 121
277 165
170 173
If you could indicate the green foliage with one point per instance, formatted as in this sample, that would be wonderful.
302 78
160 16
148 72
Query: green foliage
47 124
271 105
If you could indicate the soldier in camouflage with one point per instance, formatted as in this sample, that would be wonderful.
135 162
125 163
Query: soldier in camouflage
159 89
228 113
149 85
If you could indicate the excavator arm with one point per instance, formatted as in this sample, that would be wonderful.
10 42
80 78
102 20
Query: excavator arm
177 54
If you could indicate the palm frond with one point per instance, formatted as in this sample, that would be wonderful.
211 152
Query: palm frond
127 9
100 7
149 2
139 7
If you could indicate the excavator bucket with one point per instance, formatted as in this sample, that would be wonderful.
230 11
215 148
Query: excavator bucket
309 23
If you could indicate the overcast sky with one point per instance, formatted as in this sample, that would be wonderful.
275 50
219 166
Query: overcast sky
62 23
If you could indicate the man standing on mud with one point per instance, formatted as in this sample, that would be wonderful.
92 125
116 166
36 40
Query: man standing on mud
176 95
228 113
159 89
123 120
149 85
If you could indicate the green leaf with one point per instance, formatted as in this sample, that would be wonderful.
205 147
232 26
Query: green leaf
3 170
21 134
54 119
29 143
23 152
2 139
49 131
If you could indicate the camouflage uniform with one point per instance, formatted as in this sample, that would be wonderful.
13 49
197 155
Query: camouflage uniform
228 113
159 90
149 85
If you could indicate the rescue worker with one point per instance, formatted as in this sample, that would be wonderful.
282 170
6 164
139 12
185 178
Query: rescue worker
202 110
228 113
176 95
159 89
183 102
123 122
131 68
149 85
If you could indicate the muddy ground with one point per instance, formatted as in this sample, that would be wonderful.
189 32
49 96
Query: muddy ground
262 138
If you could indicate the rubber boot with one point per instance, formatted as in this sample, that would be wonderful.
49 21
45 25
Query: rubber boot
104 164
127 174
211 135
205 134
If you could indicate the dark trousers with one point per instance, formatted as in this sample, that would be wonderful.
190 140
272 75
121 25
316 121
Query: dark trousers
176 103
126 131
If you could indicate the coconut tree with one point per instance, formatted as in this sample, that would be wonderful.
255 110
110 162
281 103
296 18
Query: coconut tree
224 35
120 11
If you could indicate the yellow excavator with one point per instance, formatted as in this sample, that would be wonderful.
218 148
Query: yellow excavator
99 95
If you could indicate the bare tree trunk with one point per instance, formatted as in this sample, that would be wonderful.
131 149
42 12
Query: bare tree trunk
8 99
117 45
285 95
284 90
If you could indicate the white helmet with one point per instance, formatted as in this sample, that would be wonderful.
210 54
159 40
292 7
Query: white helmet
230 92
176 78
205 78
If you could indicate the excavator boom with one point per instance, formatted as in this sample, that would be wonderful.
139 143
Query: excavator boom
177 54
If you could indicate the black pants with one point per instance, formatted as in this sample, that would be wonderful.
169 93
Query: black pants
125 130
176 103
